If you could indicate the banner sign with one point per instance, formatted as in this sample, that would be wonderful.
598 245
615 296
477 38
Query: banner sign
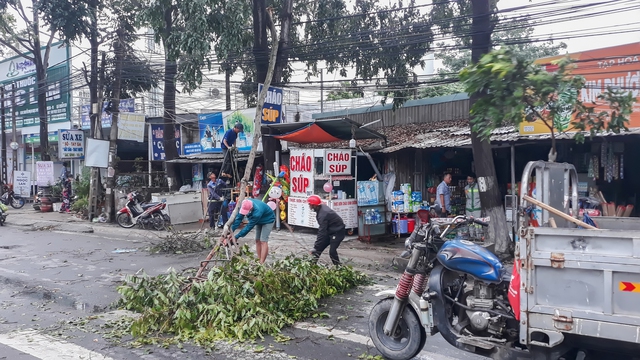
71 144
35 138
126 106
337 162
131 127
301 164
273 108
44 173
21 72
157 142
191 149
22 183
246 118
211 132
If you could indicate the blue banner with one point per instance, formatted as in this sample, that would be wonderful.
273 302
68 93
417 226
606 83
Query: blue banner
211 132
126 105
194 148
273 108
157 142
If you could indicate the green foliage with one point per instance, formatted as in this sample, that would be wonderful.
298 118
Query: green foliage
238 117
348 90
441 90
81 187
82 204
188 29
513 89
242 300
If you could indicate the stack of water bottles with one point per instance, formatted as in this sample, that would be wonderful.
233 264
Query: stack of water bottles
372 216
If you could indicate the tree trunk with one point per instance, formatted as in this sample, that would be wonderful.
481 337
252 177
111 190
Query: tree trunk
169 104
490 196
113 138
41 78
260 42
93 77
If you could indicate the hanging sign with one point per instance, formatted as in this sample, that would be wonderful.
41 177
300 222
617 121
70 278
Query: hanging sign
301 164
337 162
273 108
70 144
131 127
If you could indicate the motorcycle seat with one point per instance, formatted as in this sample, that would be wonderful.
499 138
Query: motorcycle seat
148 205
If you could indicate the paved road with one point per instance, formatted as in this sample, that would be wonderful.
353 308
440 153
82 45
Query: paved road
58 287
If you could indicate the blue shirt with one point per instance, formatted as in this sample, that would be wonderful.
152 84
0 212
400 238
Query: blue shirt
231 137
443 189
261 214
214 189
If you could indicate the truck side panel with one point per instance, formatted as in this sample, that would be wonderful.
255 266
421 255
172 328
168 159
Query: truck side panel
584 282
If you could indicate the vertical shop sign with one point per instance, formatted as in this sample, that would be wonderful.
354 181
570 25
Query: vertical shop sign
157 142
337 162
22 183
44 173
273 108
301 163
70 144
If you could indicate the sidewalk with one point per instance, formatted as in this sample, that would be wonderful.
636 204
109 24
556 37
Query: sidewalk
374 257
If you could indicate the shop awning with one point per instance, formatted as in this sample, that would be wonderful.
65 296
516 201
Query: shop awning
321 131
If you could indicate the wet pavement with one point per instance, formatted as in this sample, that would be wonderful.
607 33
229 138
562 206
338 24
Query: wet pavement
59 279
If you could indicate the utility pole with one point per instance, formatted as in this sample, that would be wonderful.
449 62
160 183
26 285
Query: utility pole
113 138
13 128
227 86
415 86
321 91
3 127
96 125
490 198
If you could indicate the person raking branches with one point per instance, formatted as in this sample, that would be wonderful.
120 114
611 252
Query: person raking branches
331 229
262 218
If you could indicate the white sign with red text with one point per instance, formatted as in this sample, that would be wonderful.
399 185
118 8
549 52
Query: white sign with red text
337 162
301 165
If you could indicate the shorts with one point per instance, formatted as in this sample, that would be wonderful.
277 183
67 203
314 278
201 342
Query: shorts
263 232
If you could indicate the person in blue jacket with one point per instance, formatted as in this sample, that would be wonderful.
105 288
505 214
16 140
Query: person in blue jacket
262 218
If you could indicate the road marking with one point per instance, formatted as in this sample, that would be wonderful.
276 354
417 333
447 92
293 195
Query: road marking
360 339
46 347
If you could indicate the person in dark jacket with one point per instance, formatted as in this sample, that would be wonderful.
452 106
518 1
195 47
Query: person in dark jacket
216 200
262 218
331 229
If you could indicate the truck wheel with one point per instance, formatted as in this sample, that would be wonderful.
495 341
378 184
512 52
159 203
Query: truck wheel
409 338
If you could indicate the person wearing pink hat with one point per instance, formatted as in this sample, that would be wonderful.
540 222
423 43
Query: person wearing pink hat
262 218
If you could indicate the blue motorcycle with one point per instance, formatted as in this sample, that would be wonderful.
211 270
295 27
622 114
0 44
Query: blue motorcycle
453 287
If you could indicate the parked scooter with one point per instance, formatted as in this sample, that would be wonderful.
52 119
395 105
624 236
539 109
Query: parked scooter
10 198
453 287
149 214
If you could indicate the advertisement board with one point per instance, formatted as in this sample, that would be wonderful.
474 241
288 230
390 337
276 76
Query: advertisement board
273 108
616 67
71 144
22 72
337 162
22 183
44 173
246 117
211 132
301 172
156 142
126 106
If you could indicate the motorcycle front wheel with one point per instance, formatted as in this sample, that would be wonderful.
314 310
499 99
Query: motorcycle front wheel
408 339
157 221
17 202
124 220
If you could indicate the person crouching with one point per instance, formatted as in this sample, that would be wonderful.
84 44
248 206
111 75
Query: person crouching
262 218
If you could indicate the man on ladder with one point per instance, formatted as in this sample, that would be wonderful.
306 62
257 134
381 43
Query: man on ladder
228 146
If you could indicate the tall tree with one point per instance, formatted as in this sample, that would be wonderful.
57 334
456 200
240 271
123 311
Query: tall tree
28 42
187 30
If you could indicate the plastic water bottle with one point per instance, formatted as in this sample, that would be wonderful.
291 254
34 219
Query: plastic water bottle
367 217
377 216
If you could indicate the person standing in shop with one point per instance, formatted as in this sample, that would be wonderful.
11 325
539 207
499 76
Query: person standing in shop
228 142
443 196
472 194
216 200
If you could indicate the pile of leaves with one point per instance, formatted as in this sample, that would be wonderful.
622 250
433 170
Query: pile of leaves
242 300
177 242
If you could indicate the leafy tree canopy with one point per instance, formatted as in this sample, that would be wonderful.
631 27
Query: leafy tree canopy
348 90
515 89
